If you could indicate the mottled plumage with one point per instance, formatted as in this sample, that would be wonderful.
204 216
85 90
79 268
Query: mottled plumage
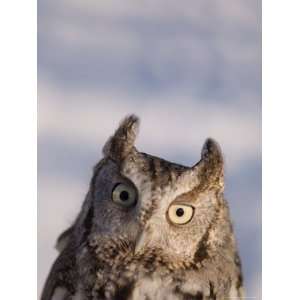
149 229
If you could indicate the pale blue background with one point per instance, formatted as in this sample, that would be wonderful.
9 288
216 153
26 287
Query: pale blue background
189 69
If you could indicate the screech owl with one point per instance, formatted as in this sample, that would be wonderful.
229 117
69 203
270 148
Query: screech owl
149 229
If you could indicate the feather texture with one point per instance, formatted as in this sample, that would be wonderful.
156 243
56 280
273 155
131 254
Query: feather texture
139 250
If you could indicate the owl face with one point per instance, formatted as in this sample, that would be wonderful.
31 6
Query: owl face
152 204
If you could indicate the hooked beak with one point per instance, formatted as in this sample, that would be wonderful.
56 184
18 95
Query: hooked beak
140 243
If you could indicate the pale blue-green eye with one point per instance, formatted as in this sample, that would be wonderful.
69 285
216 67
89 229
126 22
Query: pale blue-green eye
124 195
180 213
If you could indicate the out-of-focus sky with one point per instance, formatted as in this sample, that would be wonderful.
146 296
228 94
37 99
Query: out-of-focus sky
189 69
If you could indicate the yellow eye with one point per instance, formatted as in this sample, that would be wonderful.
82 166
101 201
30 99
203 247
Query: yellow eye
180 213
124 194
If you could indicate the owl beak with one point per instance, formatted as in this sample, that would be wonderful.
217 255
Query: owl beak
140 242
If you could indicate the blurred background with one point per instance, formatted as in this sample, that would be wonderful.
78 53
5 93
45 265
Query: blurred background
189 69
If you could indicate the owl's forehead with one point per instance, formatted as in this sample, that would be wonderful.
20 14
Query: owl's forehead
151 172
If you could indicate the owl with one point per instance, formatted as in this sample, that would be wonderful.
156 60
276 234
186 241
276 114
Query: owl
149 229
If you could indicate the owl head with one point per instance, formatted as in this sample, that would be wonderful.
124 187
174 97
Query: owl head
144 203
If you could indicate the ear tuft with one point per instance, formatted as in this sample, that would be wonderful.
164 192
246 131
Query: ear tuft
122 142
212 152
213 163
208 172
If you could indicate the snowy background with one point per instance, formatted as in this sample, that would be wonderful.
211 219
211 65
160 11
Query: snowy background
189 69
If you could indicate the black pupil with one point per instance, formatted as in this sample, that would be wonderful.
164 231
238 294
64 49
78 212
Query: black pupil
179 212
124 195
